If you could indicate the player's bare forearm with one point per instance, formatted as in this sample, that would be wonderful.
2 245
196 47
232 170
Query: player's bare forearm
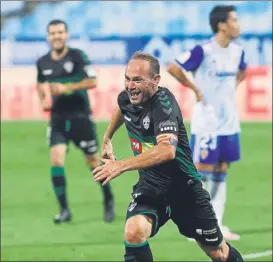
86 83
114 124
179 75
154 156
40 92
240 77
111 168
44 96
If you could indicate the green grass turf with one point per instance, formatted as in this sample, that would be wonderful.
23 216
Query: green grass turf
28 203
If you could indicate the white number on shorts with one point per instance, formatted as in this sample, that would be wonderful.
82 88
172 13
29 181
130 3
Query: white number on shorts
208 141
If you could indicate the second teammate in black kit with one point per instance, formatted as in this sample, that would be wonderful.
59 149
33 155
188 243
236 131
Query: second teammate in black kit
65 74
169 185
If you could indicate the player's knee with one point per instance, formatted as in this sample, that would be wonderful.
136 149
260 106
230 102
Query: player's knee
137 230
219 254
57 156
93 160
135 234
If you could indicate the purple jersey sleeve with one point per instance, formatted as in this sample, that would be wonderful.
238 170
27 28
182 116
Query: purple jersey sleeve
192 59
243 64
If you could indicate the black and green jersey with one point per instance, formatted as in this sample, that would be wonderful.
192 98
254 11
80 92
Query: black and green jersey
73 67
160 115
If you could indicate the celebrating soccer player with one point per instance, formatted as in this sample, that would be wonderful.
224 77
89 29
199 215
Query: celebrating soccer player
169 185
65 74
218 66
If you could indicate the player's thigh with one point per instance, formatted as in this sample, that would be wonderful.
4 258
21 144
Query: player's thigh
205 151
229 148
194 216
146 202
83 134
57 140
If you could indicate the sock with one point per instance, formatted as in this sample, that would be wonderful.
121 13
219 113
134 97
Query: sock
138 253
218 192
106 189
204 177
234 255
59 185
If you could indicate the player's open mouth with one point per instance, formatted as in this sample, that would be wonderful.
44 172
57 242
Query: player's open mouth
134 94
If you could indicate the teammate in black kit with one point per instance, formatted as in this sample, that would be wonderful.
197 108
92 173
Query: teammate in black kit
169 186
65 74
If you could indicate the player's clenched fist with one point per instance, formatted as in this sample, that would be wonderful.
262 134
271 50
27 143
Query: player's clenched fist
108 171
58 89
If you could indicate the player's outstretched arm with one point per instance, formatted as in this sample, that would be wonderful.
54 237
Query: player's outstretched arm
179 75
164 151
115 123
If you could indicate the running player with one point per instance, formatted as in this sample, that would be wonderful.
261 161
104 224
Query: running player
218 66
68 73
169 185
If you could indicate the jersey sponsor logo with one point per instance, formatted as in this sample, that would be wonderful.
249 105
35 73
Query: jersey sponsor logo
68 66
136 145
146 122
166 123
132 206
199 231
210 231
92 149
168 128
127 118
211 239
47 72
84 143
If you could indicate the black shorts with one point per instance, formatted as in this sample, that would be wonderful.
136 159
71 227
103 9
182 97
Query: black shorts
80 129
187 206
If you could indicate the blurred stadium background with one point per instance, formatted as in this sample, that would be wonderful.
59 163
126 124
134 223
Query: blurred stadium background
110 31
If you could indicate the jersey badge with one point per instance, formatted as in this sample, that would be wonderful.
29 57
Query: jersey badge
146 122
68 66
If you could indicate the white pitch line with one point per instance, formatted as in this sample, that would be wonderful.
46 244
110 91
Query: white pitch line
257 255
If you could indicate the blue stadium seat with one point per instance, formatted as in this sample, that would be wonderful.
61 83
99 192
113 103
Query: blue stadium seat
100 18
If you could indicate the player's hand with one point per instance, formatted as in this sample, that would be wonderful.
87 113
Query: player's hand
107 150
46 105
58 89
200 97
108 171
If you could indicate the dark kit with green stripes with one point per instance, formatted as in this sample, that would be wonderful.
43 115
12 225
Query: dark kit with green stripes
71 112
171 190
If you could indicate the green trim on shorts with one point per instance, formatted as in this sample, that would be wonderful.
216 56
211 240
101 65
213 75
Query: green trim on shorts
154 227
137 245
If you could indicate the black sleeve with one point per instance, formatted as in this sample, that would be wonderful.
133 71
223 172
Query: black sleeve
166 114
40 77
83 65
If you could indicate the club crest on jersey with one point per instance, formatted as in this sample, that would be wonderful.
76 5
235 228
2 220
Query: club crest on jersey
146 122
204 153
68 66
